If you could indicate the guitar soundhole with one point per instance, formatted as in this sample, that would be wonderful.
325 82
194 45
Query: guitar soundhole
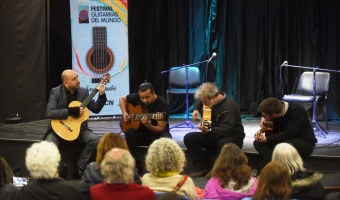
100 61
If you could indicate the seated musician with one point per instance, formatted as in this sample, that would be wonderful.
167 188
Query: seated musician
226 127
291 124
149 129
59 108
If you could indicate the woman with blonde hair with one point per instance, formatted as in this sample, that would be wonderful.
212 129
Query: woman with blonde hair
306 184
108 141
231 176
273 183
164 161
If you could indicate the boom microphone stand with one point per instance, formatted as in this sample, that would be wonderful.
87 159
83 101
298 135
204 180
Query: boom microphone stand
187 122
314 121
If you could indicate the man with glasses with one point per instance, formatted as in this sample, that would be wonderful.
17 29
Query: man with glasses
224 127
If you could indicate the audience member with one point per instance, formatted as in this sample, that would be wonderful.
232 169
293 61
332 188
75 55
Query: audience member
7 190
171 196
225 127
118 168
42 160
291 124
92 173
164 161
231 176
274 183
149 129
306 184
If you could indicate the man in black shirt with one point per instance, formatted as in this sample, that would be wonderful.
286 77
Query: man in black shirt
149 129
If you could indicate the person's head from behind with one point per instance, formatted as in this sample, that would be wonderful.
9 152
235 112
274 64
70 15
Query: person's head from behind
232 164
206 93
107 142
118 166
288 155
274 182
42 160
146 93
164 155
3 178
271 108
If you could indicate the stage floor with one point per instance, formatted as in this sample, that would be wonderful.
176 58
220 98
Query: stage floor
328 145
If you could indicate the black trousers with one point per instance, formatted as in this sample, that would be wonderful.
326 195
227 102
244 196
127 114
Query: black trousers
135 138
305 149
203 149
86 137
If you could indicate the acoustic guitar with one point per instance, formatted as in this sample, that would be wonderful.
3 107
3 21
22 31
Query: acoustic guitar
137 113
69 128
266 124
206 117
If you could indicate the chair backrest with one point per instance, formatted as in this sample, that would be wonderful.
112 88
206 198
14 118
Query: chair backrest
177 78
322 80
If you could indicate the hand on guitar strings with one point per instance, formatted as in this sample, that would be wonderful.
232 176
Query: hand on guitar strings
204 126
260 136
126 117
146 121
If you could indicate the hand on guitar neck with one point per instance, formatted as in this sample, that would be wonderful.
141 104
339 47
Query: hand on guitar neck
265 130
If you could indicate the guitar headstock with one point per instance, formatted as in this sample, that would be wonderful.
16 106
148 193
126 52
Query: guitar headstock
106 78
160 116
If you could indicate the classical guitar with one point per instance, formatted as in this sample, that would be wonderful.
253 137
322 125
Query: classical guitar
69 128
99 58
268 124
206 117
137 113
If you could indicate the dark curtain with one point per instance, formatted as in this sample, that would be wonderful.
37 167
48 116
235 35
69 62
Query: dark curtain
23 59
253 38
158 40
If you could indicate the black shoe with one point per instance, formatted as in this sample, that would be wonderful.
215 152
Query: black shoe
199 173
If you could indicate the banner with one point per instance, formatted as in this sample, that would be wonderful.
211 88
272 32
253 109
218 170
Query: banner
99 31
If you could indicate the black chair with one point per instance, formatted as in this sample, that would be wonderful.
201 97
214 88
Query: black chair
306 92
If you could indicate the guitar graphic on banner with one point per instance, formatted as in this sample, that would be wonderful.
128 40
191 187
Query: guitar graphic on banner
69 128
99 58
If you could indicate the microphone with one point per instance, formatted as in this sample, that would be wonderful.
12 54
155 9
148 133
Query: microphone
284 63
212 56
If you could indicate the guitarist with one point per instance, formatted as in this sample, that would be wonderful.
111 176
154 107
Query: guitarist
149 129
226 127
57 108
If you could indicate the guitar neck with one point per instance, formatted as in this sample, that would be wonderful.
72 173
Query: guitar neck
89 98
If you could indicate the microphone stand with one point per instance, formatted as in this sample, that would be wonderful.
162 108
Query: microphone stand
187 122
314 121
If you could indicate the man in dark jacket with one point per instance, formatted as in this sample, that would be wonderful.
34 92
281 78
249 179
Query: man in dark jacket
224 127
57 108
291 124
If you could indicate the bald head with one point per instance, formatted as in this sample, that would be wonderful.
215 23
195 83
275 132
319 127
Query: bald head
67 74
70 80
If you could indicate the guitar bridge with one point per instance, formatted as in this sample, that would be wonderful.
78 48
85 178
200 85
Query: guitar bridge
67 127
